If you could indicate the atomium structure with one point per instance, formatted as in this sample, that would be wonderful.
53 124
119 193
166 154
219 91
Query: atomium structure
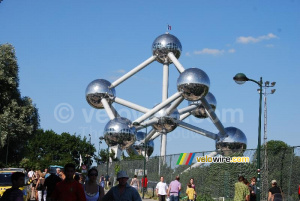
193 85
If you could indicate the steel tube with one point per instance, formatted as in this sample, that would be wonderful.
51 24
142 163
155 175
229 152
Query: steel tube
158 107
107 109
150 134
157 134
213 117
174 105
175 61
133 71
212 154
197 130
114 111
187 109
131 105
184 116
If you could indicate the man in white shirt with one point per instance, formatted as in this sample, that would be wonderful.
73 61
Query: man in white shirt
30 173
161 189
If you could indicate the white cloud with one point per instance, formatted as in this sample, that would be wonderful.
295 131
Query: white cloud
209 51
231 50
187 54
251 39
120 71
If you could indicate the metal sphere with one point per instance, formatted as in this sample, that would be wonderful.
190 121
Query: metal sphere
119 132
199 112
235 142
166 123
164 44
193 83
140 147
97 90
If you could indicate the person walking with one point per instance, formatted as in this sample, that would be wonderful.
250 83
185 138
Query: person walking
93 192
47 173
135 183
50 183
14 193
122 191
161 189
275 193
252 187
40 188
68 189
58 171
107 181
190 192
241 191
144 183
193 186
174 189
30 174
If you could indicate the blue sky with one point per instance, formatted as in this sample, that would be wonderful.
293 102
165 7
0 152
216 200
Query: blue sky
62 46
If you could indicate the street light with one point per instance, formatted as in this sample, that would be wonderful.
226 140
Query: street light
241 78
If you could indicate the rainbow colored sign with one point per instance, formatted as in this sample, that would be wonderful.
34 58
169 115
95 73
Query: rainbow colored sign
185 159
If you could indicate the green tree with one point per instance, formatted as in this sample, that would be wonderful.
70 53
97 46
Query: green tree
19 118
48 148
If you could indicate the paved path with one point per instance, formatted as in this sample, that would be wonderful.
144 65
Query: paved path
148 199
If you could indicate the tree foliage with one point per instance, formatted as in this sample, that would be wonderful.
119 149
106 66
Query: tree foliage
19 117
48 148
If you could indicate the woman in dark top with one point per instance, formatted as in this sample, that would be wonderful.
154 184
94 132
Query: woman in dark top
275 193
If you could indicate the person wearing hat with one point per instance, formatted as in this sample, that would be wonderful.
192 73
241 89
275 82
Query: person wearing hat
275 193
123 191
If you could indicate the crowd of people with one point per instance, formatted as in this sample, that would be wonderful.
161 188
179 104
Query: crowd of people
245 191
173 191
68 186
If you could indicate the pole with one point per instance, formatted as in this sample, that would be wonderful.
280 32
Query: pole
143 183
259 140
265 173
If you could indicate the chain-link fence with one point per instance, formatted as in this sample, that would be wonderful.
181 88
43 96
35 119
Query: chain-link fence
217 179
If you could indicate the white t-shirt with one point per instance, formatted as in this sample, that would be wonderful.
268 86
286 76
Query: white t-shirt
30 173
162 188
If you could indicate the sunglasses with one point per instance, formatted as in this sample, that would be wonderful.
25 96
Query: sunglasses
93 174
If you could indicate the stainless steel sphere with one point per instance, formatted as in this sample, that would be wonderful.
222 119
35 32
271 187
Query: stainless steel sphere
97 90
199 112
164 44
119 132
193 83
235 142
166 123
140 147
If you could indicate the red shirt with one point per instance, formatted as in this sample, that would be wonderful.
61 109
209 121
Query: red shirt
146 182
68 191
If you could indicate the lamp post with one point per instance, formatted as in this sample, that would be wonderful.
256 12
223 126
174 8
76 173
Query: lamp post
241 78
